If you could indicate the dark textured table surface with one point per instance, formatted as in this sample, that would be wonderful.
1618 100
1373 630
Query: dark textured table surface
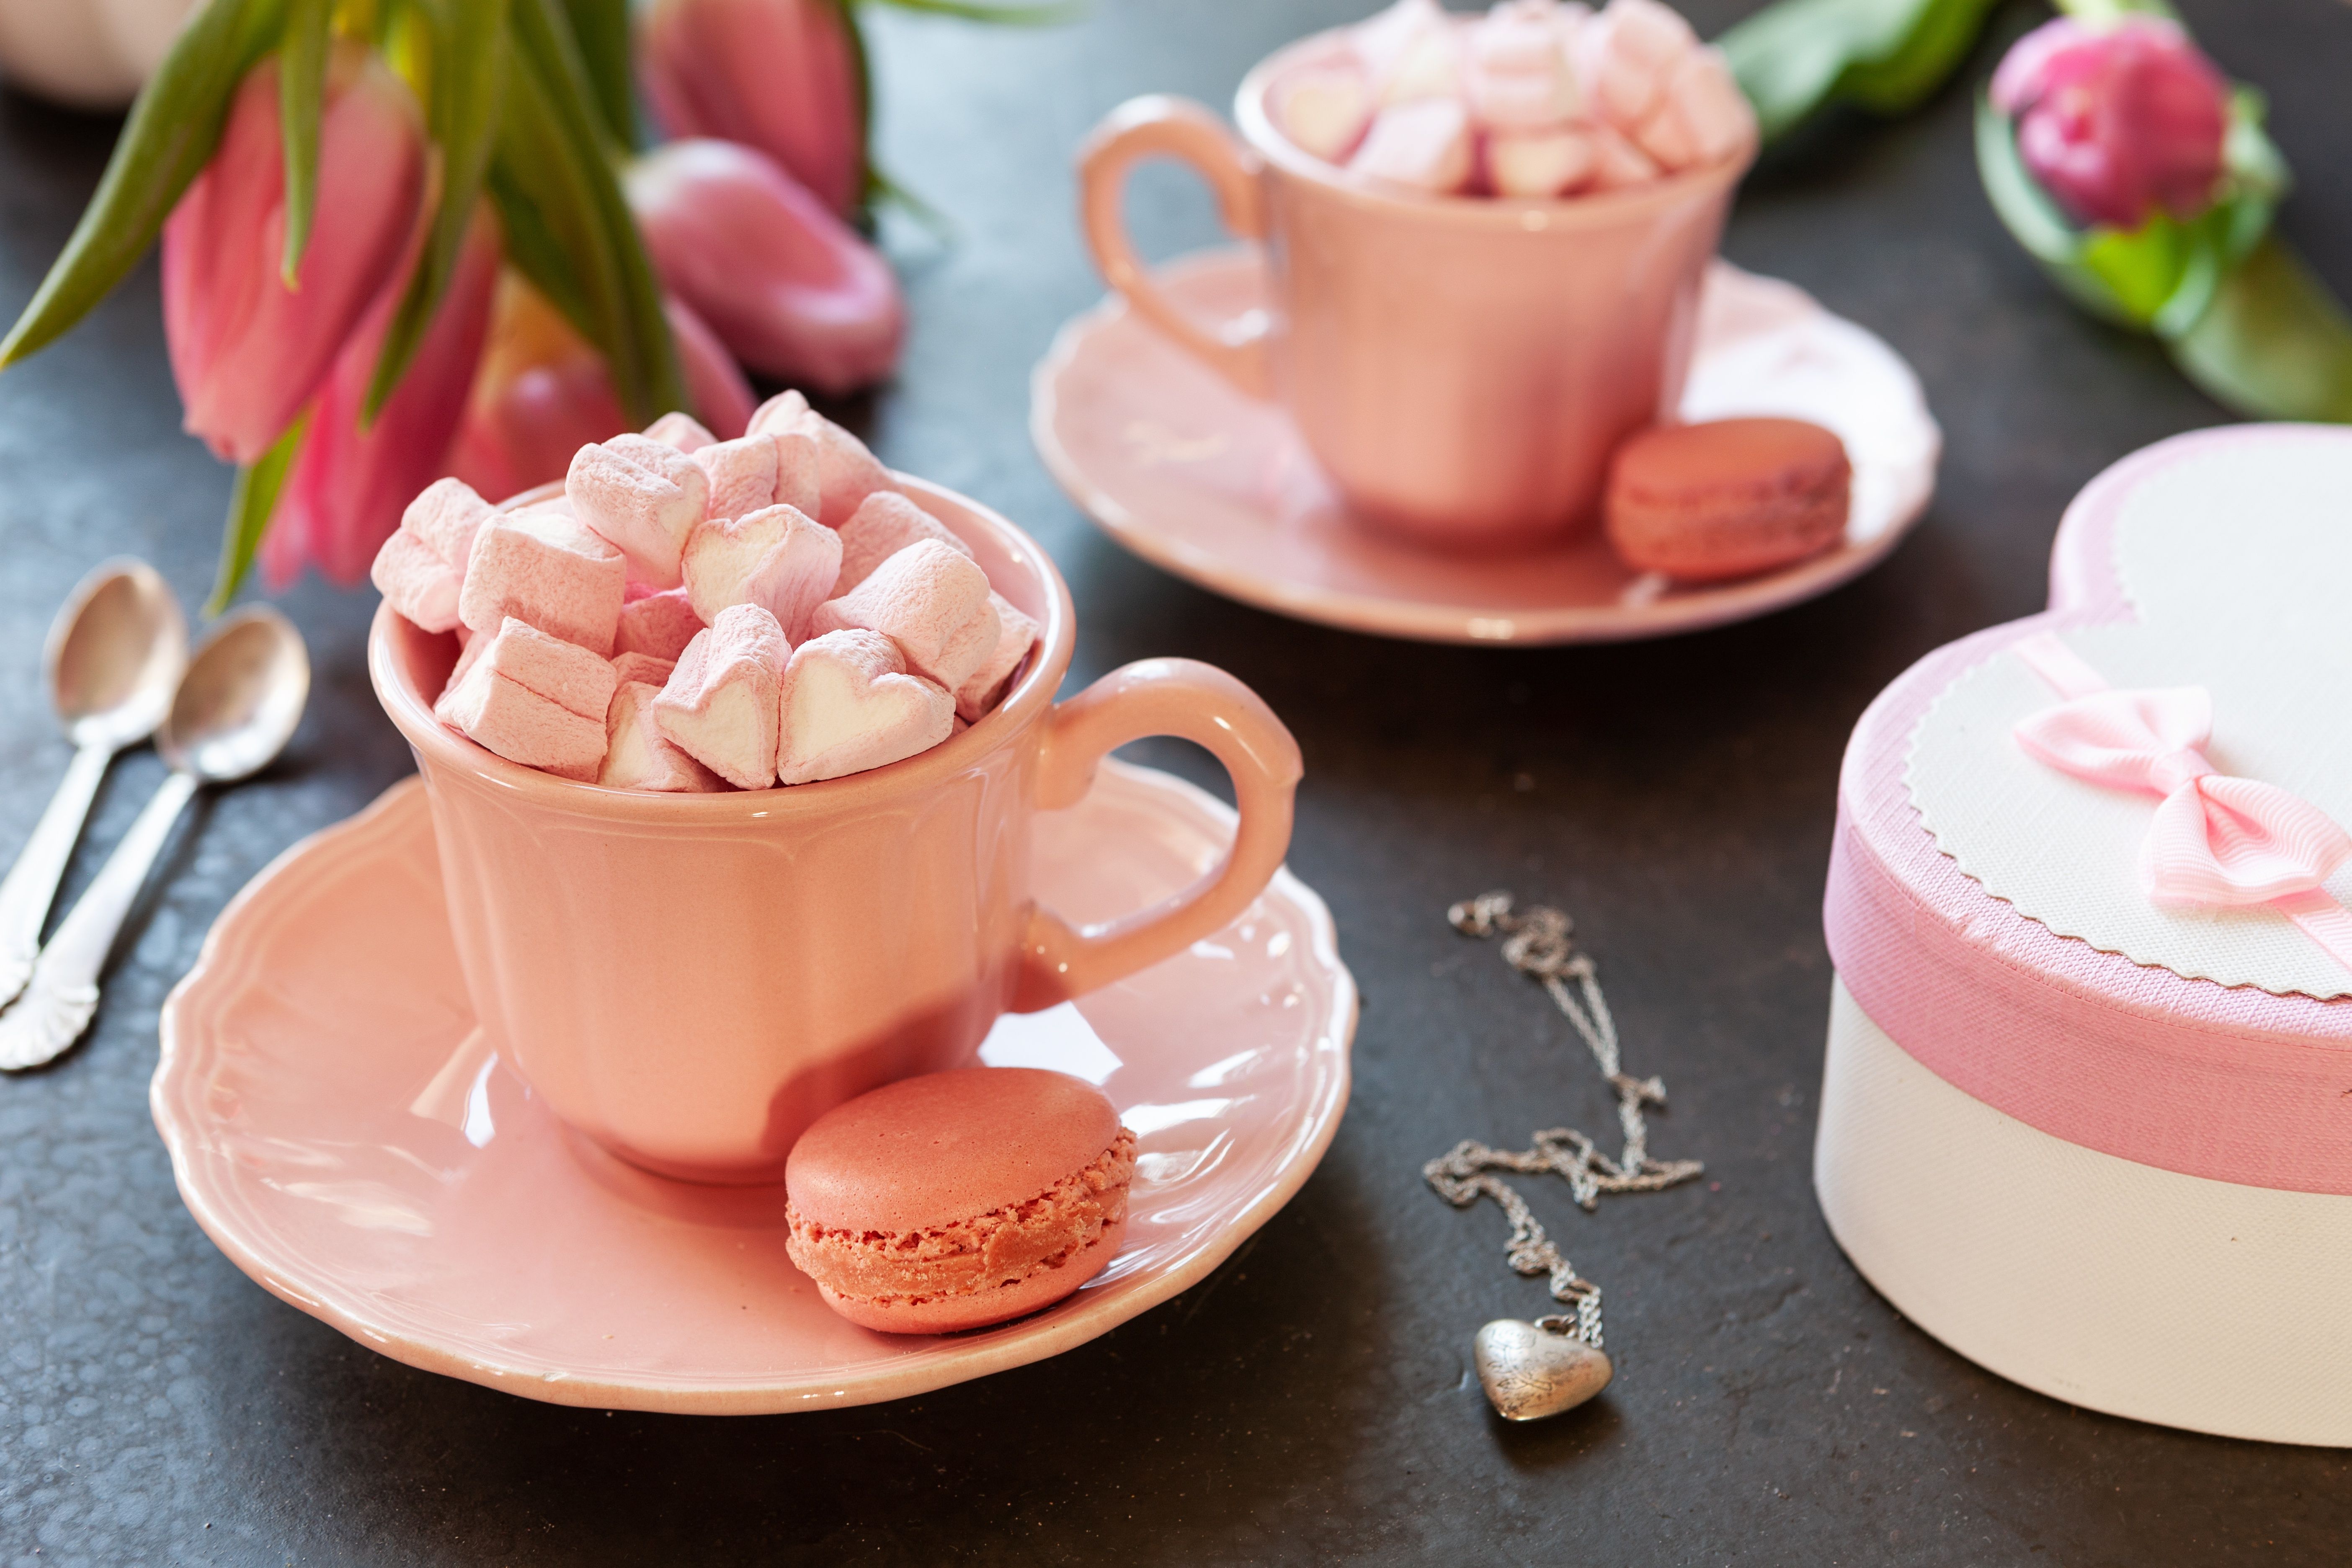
1311 1401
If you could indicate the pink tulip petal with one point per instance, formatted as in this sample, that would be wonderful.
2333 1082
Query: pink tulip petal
789 288
777 75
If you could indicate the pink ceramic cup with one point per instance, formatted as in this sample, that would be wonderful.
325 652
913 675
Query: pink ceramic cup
1460 366
692 979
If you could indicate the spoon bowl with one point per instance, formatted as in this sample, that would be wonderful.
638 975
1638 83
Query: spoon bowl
239 701
115 651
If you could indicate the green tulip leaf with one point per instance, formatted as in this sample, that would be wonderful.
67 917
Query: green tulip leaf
466 42
1795 56
567 224
173 129
250 504
301 104
600 27
2273 343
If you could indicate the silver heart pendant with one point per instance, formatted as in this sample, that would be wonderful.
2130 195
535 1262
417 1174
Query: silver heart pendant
1529 1372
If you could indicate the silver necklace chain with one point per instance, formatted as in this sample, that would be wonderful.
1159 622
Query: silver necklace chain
1539 944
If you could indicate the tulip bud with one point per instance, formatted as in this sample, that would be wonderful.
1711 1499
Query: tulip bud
789 288
349 486
2117 122
778 75
248 352
543 393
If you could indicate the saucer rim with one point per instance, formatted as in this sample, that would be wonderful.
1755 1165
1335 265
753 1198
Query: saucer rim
1693 610
1048 1333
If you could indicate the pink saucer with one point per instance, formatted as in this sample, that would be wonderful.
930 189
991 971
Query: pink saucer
1215 486
335 1129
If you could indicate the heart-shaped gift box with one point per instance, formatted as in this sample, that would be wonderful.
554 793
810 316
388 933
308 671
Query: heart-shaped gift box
2093 1138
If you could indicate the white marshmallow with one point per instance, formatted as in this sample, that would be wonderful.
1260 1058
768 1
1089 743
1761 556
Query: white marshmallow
1536 164
1323 109
1424 145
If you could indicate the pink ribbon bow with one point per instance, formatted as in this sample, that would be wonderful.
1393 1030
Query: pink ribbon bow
2216 841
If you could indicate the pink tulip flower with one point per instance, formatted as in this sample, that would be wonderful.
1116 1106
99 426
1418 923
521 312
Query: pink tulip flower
778 75
542 394
349 485
248 352
2117 122
790 289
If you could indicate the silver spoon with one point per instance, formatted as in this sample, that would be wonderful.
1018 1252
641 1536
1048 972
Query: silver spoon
234 712
115 652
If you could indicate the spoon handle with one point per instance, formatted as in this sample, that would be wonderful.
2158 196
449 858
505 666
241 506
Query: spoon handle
58 1003
33 880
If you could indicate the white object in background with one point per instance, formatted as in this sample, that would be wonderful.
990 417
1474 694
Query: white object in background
89 54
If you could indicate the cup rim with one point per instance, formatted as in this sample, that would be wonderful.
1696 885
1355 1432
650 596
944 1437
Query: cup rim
1504 213
440 747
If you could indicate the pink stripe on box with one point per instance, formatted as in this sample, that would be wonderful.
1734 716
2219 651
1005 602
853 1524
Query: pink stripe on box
2235 1084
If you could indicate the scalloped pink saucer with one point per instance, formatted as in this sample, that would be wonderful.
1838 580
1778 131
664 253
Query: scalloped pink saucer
335 1129
1215 486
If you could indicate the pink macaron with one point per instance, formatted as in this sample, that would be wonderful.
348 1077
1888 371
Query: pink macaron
1727 498
959 1199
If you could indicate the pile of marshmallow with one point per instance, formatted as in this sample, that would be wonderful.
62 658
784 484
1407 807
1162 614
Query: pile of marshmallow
1535 98
693 613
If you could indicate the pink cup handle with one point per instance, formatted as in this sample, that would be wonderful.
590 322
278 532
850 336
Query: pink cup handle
1160 126
1196 702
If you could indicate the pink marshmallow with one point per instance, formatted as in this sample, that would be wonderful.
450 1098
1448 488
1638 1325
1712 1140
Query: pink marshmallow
643 498
1624 55
933 603
849 704
422 567
542 566
683 431
846 472
1519 77
755 471
637 755
1323 109
884 525
775 558
1536 164
1702 116
984 688
1424 145
532 698
1617 162
1412 51
720 704
642 667
658 623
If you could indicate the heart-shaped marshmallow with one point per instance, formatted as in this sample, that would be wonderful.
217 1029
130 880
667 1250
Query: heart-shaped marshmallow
1323 109
542 566
637 755
777 558
643 496
846 472
933 603
720 704
883 525
849 704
